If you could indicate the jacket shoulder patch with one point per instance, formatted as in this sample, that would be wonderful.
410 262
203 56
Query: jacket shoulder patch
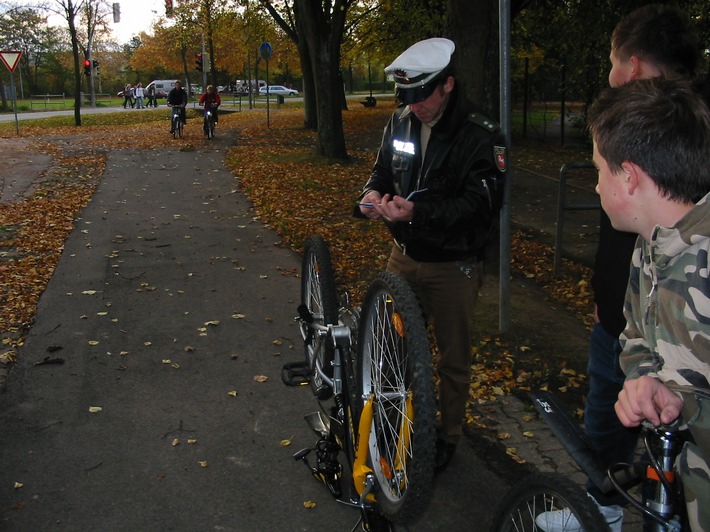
486 123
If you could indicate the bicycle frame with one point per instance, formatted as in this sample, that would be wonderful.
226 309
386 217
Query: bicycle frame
339 335
666 506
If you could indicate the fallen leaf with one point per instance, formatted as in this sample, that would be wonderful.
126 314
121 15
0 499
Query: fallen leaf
309 504
95 409
261 378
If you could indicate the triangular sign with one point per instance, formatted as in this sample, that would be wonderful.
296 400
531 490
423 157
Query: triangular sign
10 59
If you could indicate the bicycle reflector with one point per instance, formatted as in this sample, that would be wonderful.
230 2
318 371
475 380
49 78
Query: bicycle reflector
398 324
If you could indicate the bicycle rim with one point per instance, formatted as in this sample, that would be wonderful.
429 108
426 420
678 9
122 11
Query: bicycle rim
319 296
548 501
395 372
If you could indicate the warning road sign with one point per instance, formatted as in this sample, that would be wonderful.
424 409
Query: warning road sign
10 59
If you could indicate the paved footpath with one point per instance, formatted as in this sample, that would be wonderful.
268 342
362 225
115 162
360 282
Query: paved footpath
171 297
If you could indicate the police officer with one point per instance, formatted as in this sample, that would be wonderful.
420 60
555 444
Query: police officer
437 184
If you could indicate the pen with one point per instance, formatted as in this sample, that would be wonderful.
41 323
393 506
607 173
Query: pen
366 205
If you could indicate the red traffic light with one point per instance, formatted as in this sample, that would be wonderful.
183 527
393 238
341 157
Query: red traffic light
87 63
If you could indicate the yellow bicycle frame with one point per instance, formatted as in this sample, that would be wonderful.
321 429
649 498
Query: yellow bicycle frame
360 467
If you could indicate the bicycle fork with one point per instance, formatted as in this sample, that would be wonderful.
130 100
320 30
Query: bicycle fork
395 471
662 476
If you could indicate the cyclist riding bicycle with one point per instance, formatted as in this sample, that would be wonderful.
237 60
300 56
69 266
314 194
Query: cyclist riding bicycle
177 97
211 101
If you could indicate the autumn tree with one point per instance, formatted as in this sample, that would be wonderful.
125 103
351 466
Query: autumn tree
70 11
284 13
25 29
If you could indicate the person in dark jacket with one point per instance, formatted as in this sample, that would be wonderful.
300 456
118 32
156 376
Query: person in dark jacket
437 184
177 97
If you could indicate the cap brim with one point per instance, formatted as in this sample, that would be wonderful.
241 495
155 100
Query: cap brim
415 94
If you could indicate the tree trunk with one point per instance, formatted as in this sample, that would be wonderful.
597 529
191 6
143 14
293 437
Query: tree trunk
310 111
77 71
473 26
323 33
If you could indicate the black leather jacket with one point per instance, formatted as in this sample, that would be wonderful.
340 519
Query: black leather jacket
462 172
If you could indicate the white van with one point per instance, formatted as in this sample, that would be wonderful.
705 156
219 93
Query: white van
162 87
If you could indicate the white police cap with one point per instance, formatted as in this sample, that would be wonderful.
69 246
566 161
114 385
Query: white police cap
421 62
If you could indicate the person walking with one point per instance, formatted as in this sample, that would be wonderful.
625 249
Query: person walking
437 184
152 100
140 94
127 96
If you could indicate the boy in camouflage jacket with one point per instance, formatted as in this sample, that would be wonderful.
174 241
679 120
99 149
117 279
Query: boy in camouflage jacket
652 153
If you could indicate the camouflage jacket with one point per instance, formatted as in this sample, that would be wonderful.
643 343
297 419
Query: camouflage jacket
667 309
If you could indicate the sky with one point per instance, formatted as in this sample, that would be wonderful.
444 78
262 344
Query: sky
136 16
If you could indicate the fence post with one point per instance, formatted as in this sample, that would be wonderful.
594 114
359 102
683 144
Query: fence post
562 207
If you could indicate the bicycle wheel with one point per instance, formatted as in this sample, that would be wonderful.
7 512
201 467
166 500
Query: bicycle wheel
180 126
319 297
530 504
176 125
395 373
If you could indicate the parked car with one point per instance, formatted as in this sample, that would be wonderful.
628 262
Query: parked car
278 90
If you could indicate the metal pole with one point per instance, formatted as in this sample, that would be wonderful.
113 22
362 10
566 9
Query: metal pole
14 101
505 121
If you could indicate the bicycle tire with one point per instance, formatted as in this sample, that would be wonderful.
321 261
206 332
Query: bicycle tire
394 368
176 125
319 296
539 493
180 127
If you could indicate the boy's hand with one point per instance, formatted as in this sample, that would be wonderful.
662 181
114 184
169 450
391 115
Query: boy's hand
649 399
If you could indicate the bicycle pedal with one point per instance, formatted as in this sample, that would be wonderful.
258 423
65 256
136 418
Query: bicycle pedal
295 374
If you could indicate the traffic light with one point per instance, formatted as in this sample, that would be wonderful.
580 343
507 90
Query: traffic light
116 12
96 67
168 8
198 62
87 67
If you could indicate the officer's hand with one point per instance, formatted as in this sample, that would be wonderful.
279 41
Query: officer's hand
368 203
396 209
